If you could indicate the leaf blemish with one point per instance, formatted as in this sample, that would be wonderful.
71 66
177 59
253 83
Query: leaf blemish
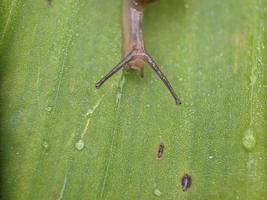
63 188
157 192
49 2
186 182
160 150
79 145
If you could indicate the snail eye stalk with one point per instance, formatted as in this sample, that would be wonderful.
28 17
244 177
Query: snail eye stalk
147 58
115 69
160 74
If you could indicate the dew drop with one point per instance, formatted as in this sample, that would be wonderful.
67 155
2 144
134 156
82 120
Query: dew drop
249 141
79 145
48 108
157 192
45 145
210 157
90 111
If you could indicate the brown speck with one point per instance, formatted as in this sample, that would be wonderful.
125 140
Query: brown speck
186 182
49 2
160 150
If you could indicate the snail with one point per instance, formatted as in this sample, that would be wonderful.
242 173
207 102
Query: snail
135 55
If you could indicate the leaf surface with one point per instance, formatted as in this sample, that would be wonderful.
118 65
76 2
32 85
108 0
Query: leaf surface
62 139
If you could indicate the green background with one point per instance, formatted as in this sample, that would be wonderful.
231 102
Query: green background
63 139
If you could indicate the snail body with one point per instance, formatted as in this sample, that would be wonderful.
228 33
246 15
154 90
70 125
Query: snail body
133 13
135 55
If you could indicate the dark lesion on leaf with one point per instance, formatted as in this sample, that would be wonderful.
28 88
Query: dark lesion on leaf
160 150
186 182
49 2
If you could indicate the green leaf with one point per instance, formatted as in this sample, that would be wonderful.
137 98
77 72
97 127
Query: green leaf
62 139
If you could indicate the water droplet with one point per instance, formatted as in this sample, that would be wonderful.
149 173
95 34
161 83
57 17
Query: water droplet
210 157
157 192
79 145
89 112
249 140
48 108
45 145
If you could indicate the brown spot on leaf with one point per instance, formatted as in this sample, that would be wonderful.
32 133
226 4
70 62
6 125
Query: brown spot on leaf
160 150
49 2
186 182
